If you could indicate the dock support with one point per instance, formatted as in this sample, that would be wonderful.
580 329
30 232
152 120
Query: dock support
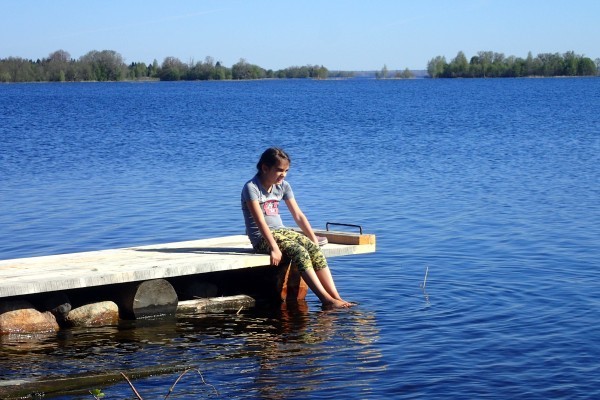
290 284
147 299
216 304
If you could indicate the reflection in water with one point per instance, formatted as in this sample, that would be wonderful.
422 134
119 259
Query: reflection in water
84 350
265 353
307 350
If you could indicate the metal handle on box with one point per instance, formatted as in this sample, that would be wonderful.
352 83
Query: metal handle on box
350 225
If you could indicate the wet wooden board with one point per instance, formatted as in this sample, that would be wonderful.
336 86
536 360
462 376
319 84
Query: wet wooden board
96 268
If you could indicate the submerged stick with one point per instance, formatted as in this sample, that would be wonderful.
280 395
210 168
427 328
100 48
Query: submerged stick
176 381
181 376
132 387
82 382
206 383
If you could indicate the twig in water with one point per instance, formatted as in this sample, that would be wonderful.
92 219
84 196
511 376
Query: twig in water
425 284
206 383
239 311
181 376
425 280
176 381
132 387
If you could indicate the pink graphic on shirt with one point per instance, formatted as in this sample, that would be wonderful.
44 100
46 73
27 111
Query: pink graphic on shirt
271 207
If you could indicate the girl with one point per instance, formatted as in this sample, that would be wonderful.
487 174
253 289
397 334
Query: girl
264 227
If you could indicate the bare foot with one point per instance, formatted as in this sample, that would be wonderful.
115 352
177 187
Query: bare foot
348 303
337 303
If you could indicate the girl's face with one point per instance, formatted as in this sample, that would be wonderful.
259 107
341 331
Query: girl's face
276 174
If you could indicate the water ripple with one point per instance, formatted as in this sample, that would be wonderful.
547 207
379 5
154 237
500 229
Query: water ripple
491 186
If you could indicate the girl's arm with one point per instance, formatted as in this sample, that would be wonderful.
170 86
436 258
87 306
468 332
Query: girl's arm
259 218
301 219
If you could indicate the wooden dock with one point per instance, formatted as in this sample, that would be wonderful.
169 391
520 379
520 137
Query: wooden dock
35 275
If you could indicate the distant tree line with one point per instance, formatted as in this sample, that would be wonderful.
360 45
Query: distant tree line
108 65
488 64
384 73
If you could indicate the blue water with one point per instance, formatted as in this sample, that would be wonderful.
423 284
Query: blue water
487 191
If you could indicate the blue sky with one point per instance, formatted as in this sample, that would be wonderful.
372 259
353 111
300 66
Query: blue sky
345 35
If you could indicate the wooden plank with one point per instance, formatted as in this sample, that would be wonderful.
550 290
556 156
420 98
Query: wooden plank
97 268
348 238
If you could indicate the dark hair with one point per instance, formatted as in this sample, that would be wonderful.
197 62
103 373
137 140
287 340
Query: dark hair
271 157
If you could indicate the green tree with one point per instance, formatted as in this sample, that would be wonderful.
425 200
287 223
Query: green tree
436 66
105 65
485 60
383 74
241 70
244 70
57 65
221 73
172 69
551 64
17 69
586 67
530 66
570 63
499 65
515 67
138 70
153 69
491 64
321 72
203 70
459 66
406 74
307 71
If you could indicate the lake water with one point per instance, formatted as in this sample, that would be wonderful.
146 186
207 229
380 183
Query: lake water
489 189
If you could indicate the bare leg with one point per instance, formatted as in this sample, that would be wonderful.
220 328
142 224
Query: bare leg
326 280
307 255
322 285
312 280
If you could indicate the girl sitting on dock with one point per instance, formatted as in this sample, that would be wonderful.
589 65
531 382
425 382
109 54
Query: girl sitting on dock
264 227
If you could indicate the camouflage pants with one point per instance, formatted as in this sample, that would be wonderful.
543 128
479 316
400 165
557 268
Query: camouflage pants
302 251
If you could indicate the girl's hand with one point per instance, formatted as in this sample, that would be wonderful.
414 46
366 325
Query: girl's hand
276 256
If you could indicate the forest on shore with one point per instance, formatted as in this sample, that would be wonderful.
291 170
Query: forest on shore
489 64
109 65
